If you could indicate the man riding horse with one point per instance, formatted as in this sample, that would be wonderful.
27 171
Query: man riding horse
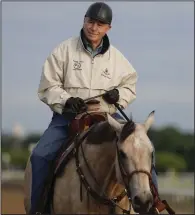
79 68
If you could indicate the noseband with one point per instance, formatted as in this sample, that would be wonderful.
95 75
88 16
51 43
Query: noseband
140 171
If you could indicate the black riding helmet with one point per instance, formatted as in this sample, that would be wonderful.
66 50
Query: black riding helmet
100 11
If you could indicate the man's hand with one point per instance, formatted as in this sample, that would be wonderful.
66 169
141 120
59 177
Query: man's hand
76 105
111 96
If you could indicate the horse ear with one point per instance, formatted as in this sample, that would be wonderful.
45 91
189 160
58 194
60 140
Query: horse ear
149 121
114 124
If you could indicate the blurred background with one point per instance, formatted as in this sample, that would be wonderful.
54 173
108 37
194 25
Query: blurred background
156 37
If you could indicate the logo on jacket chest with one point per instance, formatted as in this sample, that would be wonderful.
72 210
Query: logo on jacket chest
106 74
77 65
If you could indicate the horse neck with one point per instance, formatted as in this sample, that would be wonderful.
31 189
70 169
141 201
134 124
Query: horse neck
100 157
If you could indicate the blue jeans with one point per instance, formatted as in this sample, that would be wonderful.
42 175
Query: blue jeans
44 152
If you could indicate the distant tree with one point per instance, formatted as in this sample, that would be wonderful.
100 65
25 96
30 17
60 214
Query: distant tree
19 157
168 138
31 138
6 141
166 160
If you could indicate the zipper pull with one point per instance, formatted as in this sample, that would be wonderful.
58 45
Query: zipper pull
92 61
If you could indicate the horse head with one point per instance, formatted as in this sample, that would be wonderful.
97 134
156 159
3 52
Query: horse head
134 160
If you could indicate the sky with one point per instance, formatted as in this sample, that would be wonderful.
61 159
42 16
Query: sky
156 37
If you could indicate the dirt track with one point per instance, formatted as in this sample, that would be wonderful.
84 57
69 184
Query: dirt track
12 200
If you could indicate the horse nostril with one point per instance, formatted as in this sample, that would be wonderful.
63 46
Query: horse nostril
137 200
148 201
144 199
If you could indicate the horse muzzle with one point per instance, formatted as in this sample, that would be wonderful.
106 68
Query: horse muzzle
142 202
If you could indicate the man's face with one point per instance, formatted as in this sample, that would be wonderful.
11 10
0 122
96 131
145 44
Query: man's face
94 30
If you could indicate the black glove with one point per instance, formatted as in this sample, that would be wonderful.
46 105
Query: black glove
75 105
111 96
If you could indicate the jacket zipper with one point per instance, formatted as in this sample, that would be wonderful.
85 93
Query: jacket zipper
92 62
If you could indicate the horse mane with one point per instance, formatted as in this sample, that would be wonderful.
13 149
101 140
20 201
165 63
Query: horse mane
128 129
102 132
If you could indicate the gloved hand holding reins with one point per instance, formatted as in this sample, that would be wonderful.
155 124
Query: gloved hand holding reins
111 96
75 105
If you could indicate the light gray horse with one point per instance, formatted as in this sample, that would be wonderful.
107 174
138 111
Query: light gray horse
128 164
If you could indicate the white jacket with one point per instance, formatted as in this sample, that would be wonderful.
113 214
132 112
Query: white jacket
71 71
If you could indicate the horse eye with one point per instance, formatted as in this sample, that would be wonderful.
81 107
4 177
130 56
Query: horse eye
152 155
122 154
